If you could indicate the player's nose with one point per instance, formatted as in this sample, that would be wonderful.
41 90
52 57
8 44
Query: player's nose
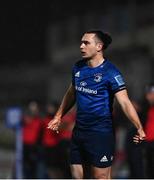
82 46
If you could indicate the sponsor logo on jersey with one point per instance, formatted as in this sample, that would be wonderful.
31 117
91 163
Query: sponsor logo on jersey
119 80
111 158
83 83
86 90
98 77
77 74
104 159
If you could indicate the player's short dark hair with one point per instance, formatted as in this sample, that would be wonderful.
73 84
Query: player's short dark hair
102 36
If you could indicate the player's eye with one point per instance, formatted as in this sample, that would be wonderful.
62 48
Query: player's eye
85 42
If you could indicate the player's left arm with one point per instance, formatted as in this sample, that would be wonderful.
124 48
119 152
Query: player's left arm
130 112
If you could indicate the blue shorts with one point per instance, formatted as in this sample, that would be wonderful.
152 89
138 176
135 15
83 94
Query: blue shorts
93 148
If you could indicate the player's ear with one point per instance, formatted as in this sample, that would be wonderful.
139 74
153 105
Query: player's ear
99 46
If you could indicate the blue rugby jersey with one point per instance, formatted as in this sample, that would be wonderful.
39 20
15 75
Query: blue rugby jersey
95 89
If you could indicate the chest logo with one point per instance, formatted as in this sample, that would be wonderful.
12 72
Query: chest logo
83 83
77 74
104 159
98 77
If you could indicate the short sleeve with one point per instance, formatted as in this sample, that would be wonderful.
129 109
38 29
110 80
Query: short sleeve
117 82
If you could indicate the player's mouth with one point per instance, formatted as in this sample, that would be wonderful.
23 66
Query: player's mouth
83 53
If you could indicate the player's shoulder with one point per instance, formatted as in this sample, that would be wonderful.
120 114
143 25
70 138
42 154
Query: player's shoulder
111 68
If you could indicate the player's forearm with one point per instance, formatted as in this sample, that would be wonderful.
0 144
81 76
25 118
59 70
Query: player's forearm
67 102
131 113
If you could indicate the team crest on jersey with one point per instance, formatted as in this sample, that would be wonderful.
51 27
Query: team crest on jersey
98 77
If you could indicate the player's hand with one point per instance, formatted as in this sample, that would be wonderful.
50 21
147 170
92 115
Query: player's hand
139 137
54 124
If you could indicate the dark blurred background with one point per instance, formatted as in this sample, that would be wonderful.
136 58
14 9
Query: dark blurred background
39 43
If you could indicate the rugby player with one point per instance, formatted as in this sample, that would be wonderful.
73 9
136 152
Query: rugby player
95 83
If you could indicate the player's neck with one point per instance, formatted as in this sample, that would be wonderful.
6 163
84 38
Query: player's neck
96 61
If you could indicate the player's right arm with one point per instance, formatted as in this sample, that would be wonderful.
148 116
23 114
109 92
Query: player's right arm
66 104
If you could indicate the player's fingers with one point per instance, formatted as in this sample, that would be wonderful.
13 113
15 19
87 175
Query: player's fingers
140 137
55 128
50 126
136 138
136 141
